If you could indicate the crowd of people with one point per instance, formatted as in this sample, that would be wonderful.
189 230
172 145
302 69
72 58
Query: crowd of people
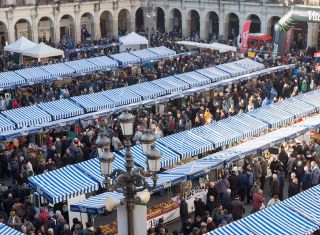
295 165
21 158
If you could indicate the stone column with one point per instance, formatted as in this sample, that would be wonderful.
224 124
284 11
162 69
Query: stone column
97 29
34 29
222 26
185 25
204 28
310 34
115 27
77 23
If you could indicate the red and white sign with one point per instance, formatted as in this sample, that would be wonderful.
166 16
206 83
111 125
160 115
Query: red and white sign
317 54
245 36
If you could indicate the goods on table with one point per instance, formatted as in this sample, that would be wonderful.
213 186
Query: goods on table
162 208
110 228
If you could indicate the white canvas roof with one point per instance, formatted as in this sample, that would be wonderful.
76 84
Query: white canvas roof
133 39
20 45
42 50
213 46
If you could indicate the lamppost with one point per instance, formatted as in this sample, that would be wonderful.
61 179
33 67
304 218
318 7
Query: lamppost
148 9
131 181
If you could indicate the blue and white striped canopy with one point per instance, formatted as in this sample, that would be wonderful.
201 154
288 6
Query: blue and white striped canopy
309 100
306 203
6 230
27 116
250 65
287 133
166 181
241 128
103 62
193 79
257 125
58 70
11 79
213 76
82 66
232 69
162 51
145 55
225 131
6 124
62 184
195 169
173 81
295 107
231 229
219 73
148 90
273 117
121 96
186 144
93 102
95 205
213 135
168 157
227 155
61 109
170 88
92 169
278 220
126 58
34 74
311 122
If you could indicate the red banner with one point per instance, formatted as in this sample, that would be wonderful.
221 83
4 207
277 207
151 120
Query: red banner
245 35
289 39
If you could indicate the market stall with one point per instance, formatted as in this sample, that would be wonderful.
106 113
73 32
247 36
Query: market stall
82 66
162 51
58 71
34 75
132 41
9 80
194 79
6 230
146 55
148 90
20 45
126 59
41 51
103 62
93 102
171 84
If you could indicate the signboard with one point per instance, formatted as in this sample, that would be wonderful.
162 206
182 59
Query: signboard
317 54
245 35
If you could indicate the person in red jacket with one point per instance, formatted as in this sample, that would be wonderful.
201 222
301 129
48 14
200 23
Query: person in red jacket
15 104
257 201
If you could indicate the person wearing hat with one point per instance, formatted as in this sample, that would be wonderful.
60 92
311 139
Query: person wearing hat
203 229
195 231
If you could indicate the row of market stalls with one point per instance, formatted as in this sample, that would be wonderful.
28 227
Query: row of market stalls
296 215
61 71
53 114
4 229
77 180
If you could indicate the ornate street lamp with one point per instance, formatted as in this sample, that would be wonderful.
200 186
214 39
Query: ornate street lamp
130 182
148 9
146 140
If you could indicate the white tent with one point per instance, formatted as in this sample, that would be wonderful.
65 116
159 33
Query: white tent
20 45
133 41
213 46
41 51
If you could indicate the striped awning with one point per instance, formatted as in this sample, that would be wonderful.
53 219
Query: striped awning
231 229
6 124
148 90
195 169
6 230
257 125
126 58
193 79
92 169
250 65
162 51
165 181
295 107
103 62
309 100
168 157
311 122
213 76
27 116
61 109
173 81
278 220
93 102
233 68
82 66
219 72
122 96
34 74
95 205
58 70
11 80
145 55
227 155
187 144
62 184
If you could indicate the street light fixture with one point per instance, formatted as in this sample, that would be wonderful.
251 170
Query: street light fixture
130 182
148 8
146 140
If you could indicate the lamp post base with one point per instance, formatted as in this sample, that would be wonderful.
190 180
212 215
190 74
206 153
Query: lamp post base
139 220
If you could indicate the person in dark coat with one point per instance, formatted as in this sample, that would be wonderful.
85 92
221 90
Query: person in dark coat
275 185
234 184
284 158
183 213
294 188
225 200
211 204
264 171
213 191
200 207
188 226
237 208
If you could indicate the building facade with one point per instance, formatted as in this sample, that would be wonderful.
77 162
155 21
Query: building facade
54 19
